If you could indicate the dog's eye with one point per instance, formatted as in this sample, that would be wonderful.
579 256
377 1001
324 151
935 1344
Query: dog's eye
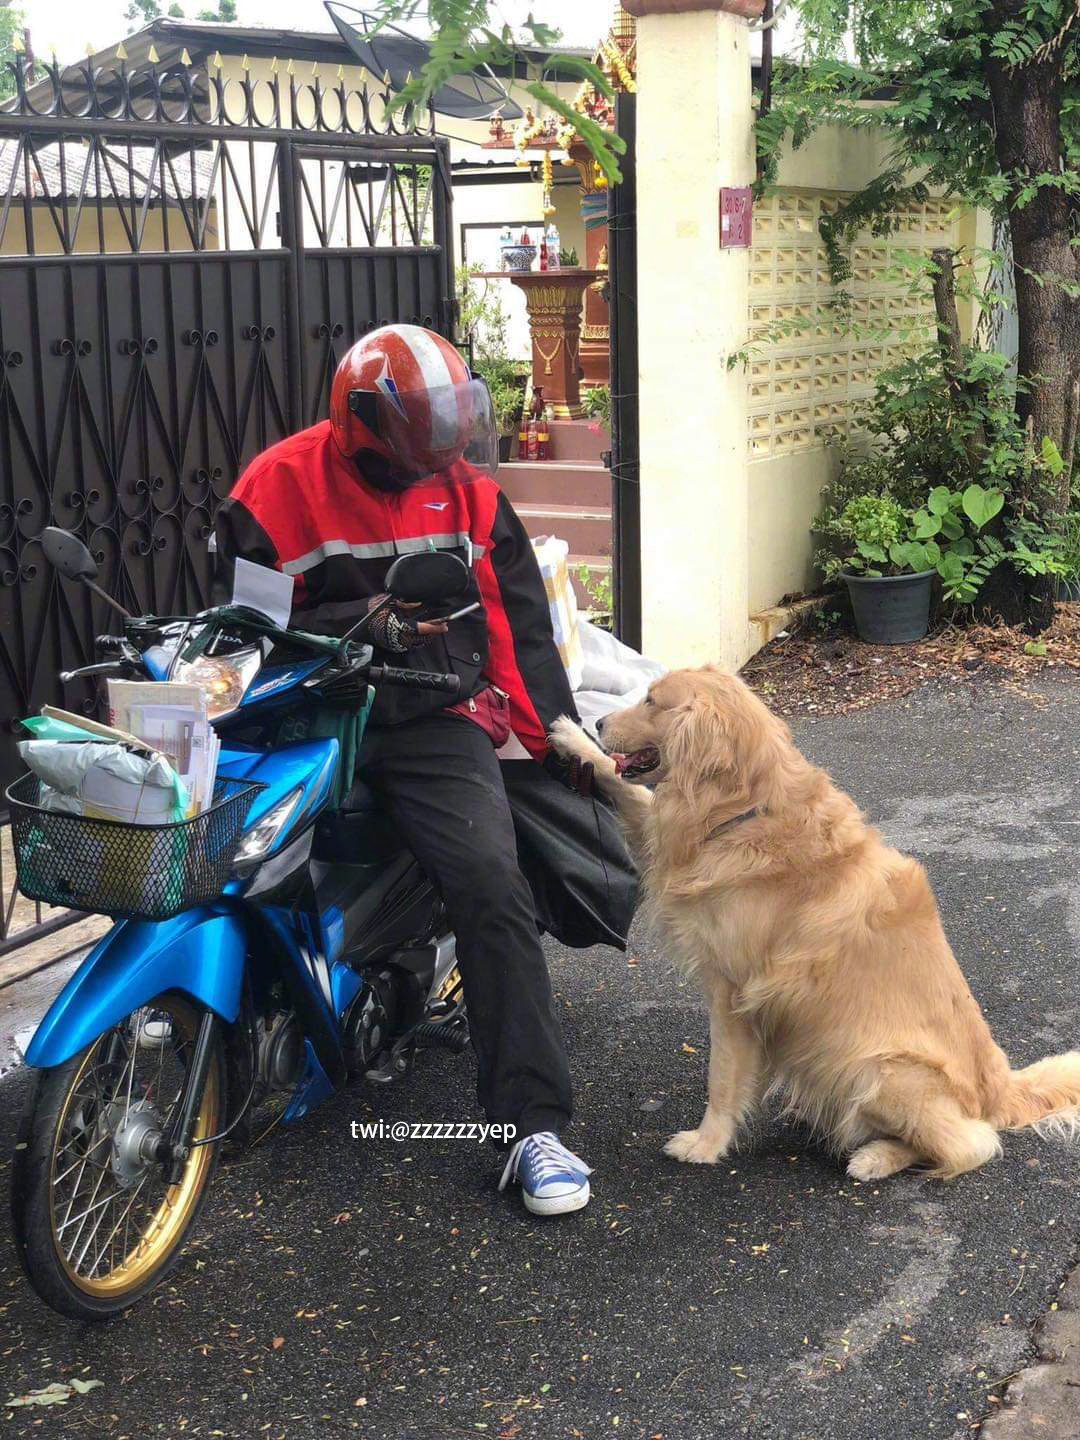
649 700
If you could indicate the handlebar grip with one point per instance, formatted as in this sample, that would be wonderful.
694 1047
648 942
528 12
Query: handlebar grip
418 679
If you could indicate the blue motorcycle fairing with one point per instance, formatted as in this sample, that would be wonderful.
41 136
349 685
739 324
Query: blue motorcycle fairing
273 679
310 763
200 952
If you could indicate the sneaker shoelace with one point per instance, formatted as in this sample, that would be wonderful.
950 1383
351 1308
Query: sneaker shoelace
552 1158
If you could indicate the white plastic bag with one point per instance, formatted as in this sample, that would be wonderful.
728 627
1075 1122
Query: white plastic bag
106 780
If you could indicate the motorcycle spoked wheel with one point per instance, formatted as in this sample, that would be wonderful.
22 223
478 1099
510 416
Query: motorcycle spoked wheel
96 1224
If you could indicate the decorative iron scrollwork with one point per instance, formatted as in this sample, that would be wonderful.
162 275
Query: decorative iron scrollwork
12 358
262 333
329 331
205 338
66 346
135 346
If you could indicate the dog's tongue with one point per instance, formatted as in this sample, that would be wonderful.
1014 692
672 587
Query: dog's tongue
621 761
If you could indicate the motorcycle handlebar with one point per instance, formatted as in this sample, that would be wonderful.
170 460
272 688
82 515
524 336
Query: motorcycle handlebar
418 679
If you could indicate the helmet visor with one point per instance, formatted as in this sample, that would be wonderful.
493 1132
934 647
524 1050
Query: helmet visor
426 431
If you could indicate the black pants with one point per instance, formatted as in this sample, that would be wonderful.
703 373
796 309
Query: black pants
439 780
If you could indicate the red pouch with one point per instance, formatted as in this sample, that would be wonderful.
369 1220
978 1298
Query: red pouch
490 709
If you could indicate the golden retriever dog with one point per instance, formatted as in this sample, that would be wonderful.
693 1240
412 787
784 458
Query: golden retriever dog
824 963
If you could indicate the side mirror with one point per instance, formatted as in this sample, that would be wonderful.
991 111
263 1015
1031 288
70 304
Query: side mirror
67 553
428 577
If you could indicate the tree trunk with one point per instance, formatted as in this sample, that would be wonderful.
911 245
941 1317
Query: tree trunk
1027 102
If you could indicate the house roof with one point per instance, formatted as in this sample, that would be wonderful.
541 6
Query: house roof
202 38
71 169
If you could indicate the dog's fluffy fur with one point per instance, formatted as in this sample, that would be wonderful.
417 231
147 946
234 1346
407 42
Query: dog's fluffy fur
825 966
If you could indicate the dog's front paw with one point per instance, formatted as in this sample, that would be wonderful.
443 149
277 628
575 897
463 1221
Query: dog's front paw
570 741
695 1147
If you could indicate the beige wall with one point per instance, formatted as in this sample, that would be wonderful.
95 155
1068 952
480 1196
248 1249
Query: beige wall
692 314
812 377
114 236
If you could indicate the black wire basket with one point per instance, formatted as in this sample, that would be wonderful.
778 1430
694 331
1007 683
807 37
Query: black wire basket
111 867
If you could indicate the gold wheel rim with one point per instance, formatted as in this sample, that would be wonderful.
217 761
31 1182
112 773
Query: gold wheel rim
156 1234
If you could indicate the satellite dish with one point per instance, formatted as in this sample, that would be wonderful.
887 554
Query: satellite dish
391 51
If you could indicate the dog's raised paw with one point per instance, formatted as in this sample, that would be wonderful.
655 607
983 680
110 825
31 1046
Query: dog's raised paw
693 1148
569 740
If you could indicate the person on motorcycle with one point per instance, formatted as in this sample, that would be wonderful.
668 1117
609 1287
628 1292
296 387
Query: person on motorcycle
406 462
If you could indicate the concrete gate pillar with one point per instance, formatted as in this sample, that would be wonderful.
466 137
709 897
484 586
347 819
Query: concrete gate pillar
694 136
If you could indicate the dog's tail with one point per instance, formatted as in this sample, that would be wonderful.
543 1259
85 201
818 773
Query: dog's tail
1046 1096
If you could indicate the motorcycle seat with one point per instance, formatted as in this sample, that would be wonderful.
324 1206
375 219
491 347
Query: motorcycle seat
358 832
361 800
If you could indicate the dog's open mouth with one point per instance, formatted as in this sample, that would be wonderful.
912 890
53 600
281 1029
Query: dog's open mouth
638 762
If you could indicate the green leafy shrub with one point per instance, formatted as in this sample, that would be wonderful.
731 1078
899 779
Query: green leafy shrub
597 402
947 470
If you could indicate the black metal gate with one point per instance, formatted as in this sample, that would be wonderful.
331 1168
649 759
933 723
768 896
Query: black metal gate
622 279
183 259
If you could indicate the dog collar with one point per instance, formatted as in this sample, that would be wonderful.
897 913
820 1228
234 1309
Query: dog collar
735 820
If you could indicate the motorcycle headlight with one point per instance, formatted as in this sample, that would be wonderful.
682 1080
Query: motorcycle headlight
224 678
259 840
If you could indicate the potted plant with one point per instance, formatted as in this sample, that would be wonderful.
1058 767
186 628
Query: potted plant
507 399
483 324
568 259
889 573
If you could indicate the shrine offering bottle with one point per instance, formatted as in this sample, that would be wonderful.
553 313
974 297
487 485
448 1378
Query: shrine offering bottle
532 448
523 435
543 437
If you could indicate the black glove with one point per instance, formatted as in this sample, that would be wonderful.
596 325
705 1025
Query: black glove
575 774
388 629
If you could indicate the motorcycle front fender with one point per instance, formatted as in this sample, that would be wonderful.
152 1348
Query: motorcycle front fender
200 953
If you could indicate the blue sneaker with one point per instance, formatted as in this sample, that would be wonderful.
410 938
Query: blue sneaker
553 1180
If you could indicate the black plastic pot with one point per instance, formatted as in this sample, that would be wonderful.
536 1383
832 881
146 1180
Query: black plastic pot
891 609
506 446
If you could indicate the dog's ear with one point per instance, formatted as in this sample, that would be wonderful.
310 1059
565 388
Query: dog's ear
700 743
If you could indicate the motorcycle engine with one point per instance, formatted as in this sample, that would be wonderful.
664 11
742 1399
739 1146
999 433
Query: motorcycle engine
281 1052
372 1020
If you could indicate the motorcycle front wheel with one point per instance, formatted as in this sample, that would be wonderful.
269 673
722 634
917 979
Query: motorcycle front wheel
96 1223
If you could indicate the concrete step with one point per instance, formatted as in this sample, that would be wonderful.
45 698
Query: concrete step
555 482
586 530
578 440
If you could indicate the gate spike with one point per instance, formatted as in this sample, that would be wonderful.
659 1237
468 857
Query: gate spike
121 53
315 69
89 48
185 58
341 72
273 65
216 60
153 56
386 79
17 43
245 63
290 68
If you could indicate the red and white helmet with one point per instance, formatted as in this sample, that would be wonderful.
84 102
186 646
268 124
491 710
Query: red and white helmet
406 394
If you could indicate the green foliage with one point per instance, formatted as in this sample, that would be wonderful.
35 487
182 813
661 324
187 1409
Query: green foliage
598 586
568 258
1070 547
929 58
463 36
597 402
11 25
933 480
482 322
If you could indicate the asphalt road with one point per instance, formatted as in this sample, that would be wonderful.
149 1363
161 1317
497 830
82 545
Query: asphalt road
338 1287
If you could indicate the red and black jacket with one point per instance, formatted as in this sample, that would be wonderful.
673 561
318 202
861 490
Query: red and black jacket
304 509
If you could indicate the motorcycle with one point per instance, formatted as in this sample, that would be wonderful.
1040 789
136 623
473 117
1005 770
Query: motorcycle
316 952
